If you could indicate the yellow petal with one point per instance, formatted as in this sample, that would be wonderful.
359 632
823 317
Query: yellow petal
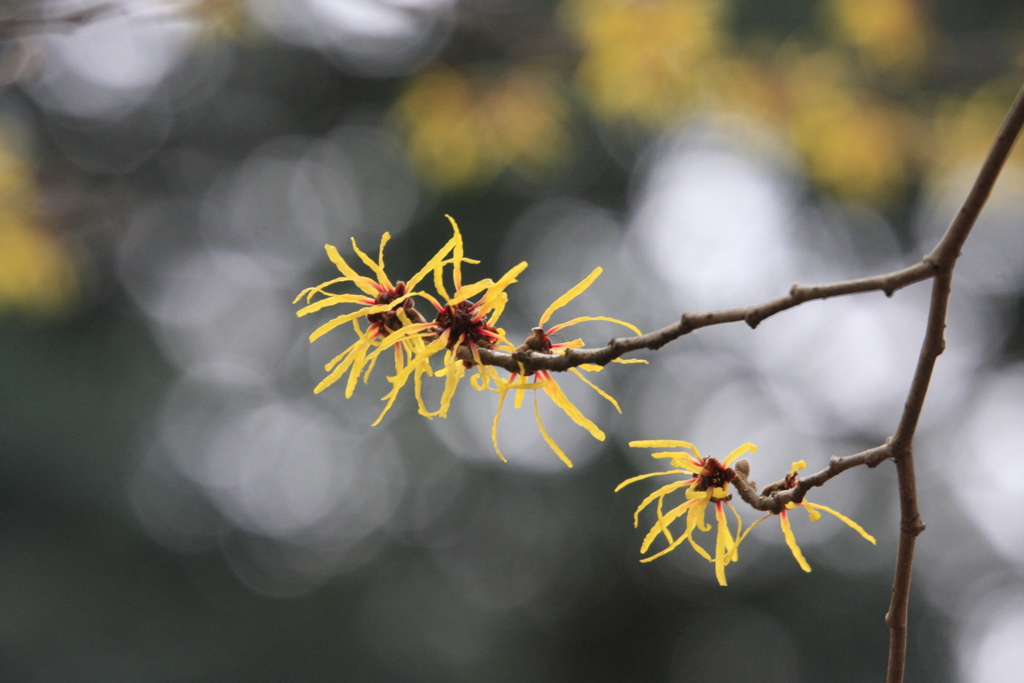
551 442
469 291
626 361
335 299
683 460
664 529
584 319
563 402
569 296
745 448
745 533
372 265
798 465
660 493
596 388
380 254
722 541
646 476
791 542
363 283
399 335
430 265
497 307
852 524
494 427
357 364
695 520
456 371
494 292
665 443
457 256
733 553
399 380
663 523
342 319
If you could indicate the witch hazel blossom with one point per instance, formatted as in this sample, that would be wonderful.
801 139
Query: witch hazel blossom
540 341
386 308
706 482
814 511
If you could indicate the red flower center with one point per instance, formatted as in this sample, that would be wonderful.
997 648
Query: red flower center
714 475
389 320
465 322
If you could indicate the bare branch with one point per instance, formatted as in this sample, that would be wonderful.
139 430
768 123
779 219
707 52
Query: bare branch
752 315
774 499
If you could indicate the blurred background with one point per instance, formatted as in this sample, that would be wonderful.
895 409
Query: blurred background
177 505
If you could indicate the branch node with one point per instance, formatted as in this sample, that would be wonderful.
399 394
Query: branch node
752 319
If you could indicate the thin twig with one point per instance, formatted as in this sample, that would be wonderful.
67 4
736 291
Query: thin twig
774 499
752 315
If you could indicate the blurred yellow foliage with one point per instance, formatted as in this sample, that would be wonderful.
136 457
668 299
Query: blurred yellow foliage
217 18
891 34
963 130
644 60
37 275
853 144
463 131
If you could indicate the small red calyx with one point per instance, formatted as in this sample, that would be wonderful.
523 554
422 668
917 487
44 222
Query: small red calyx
389 320
714 475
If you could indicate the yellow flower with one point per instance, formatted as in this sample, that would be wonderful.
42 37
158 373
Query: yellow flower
812 510
707 482
459 323
540 342
386 307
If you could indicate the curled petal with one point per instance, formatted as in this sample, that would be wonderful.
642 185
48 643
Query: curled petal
663 523
659 494
382 278
563 402
742 450
646 476
363 283
787 531
543 432
574 292
596 388
849 522
430 265
584 319
665 443
723 543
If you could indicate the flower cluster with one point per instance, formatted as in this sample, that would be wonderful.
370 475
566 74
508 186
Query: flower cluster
465 322
707 481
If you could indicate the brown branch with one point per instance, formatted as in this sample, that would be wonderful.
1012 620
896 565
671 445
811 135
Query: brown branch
752 315
938 266
944 258
774 499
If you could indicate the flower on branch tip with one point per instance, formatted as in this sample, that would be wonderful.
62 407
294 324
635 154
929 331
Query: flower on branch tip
459 323
812 510
706 481
385 307
540 342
